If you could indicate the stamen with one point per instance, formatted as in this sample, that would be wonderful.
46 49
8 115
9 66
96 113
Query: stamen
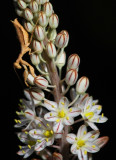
26 132
39 125
85 152
46 139
53 106
87 107
29 146
62 103
51 132
19 121
57 120
102 115
39 141
16 120
48 125
20 147
76 138
99 108
50 114
93 146
85 132
35 132
70 110
93 136
23 151
98 120
67 118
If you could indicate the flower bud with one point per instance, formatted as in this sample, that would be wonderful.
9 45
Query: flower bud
35 59
67 35
39 33
29 114
40 2
71 77
33 6
30 79
51 50
19 12
37 94
37 46
28 26
48 9
21 4
43 21
52 34
53 21
41 82
82 85
28 14
73 61
61 60
61 40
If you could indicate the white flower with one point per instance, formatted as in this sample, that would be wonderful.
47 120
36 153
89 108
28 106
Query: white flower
91 113
60 113
83 142
27 115
44 136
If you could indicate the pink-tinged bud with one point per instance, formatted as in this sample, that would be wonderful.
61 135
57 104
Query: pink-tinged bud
53 21
48 9
82 85
37 46
28 14
33 6
41 82
100 142
51 50
67 35
35 59
37 94
61 40
61 60
39 33
71 77
40 2
43 21
73 61
28 26
21 4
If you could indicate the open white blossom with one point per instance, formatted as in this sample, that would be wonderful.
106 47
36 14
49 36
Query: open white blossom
60 113
44 136
83 142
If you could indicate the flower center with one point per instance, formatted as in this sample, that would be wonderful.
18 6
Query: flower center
61 114
48 133
89 115
80 143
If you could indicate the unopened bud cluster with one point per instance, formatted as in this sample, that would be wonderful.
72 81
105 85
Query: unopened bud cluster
41 119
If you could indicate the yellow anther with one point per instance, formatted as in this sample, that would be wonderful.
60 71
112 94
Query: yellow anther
93 146
39 141
29 146
102 115
62 103
76 138
16 120
23 151
17 113
98 120
99 107
77 148
87 107
70 110
85 132
46 139
67 118
26 132
93 136
50 114
93 104
35 132
57 120
39 125
20 147
48 125
51 132
85 152
19 121
53 106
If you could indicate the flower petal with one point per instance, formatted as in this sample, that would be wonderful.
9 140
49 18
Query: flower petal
81 131
40 146
92 125
96 109
50 141
71 138
91 136
68 121
74 111
28 153
74 149
51 116
99 119
63 103
84 154
23 137
50 105
58 127
101 141
91 147
22 123
58 135
36 133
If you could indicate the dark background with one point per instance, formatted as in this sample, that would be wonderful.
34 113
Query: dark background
92 29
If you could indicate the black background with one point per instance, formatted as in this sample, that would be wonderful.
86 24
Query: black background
92 29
